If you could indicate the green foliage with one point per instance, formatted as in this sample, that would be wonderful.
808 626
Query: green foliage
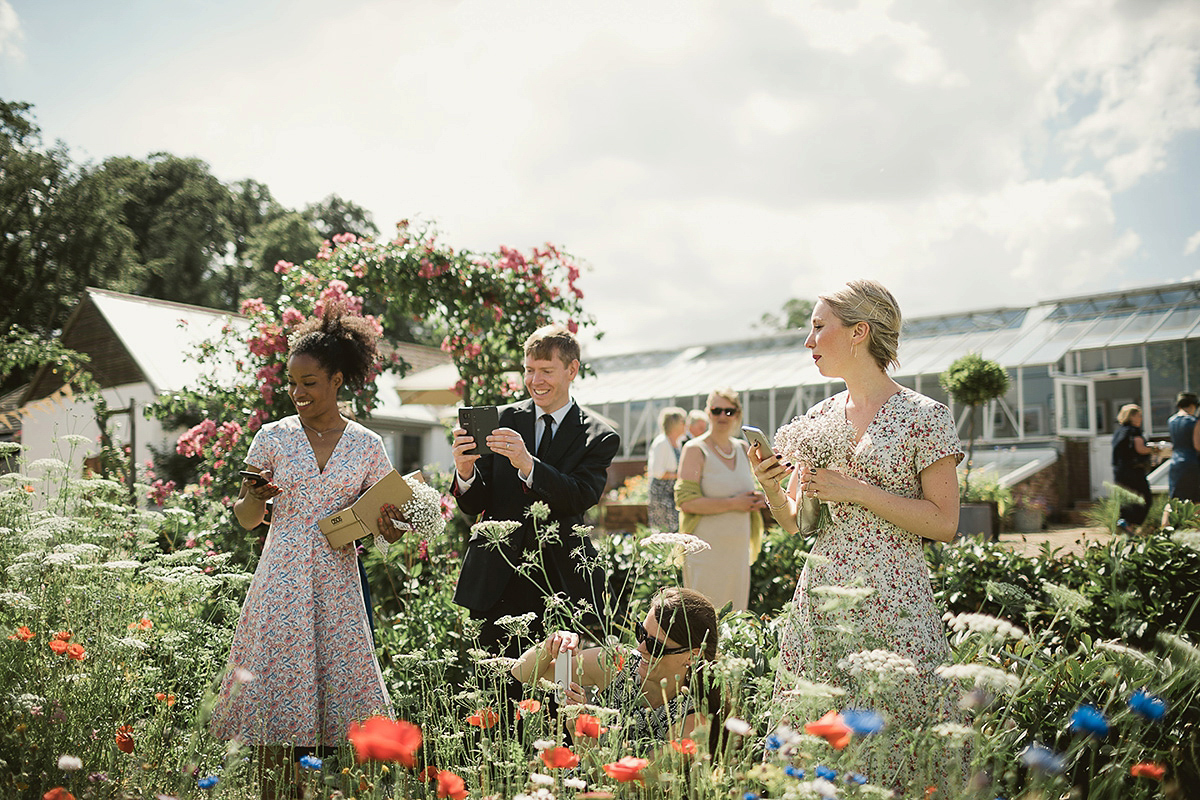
795 315
973 381
989 490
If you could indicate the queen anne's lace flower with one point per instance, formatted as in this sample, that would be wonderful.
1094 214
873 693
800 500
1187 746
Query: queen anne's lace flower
495 532
690 544
983 623
980 675
878 661
839 598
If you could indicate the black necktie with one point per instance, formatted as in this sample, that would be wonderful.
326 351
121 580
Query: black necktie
547 434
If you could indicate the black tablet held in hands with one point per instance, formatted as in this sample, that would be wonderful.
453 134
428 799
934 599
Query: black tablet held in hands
478 422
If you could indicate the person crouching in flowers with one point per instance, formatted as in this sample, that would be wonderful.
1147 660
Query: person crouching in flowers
302 665
660 686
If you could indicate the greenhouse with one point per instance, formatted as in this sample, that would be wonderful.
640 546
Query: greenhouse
1073 362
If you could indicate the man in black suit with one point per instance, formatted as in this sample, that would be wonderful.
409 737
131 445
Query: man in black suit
568 474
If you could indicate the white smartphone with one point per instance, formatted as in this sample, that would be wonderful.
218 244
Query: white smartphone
756 437
563 672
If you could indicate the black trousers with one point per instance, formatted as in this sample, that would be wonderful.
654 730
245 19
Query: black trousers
1135 481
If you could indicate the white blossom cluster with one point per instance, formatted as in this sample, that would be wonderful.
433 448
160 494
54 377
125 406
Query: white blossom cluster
1128 652
878 661
424 510
984 624
1069 599
807 688
980 675
690 544
495 532
517 625
953 730
839 598
818 440
536 794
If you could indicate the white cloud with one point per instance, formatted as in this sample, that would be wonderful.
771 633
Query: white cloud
1193 244
10 33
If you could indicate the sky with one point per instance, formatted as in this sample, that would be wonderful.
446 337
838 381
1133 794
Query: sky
705 160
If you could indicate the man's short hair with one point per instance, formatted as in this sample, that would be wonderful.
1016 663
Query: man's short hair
551 340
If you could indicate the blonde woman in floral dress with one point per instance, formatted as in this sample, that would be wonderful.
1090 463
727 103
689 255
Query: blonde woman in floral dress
893 485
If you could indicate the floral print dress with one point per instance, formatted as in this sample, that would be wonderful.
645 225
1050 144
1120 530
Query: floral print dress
863 616
302 666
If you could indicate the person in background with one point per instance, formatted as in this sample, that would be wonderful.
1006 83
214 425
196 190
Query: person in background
717 496
1130 460
697 424
662 467
1184 476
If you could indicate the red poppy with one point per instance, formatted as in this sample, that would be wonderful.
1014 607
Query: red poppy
142 624
58 646
832 728
559 757
529 706
430 773
63 636
23 633
930 791
76 651
383 739
450 785
125 738
1148 769
29 488
58 793
685 746
619 662
484 718
169 699
627 769
587 725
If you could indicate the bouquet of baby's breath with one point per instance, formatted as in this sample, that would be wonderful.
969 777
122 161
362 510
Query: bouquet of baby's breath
424 509
819 441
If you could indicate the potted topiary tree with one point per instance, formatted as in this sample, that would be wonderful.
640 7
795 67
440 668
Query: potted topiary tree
974 381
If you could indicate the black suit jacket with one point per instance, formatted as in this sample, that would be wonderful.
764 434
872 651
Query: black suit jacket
569 481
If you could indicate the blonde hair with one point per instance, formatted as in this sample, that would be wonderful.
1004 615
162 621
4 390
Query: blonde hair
1127 411
725 393
671 416
870 302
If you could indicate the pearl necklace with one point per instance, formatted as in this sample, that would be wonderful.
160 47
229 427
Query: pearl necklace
321 434
721 452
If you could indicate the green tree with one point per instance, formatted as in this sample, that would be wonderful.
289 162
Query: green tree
795 315
333 216
973 381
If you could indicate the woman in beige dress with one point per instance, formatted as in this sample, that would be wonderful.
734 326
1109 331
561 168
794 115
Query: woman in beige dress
717 497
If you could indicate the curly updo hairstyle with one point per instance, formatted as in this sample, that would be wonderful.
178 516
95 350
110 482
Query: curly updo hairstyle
340 342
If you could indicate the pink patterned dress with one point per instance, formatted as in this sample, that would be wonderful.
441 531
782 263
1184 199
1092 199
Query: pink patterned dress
302 666
829 636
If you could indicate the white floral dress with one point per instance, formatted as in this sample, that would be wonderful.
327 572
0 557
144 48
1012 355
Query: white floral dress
302 637
828 633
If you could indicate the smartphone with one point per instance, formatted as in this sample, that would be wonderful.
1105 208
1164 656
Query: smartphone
756 437
478 422
254 478
563 671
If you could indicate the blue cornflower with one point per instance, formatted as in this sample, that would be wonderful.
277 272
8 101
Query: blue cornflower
1090 720
855 777
310 761
1042 758
750 796
208 783
793 772
862 722
774 742
1150 706
825 772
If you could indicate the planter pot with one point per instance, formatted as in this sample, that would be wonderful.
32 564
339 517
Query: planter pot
979 519
1028 520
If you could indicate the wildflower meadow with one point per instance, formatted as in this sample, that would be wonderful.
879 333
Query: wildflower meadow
1074 675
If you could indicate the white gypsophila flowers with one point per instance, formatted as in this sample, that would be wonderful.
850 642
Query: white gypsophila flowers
494 532
1069 599
806 688
690 544
424 509
818 440
1128 652
984 624
880 662
841 598
69 763
980 675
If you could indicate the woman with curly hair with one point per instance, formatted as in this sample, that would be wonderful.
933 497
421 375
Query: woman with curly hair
302 666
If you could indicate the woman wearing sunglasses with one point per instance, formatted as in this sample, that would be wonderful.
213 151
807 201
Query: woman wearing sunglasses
716 497
659 686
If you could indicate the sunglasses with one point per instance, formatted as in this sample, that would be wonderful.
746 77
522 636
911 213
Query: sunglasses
655 647
729 412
